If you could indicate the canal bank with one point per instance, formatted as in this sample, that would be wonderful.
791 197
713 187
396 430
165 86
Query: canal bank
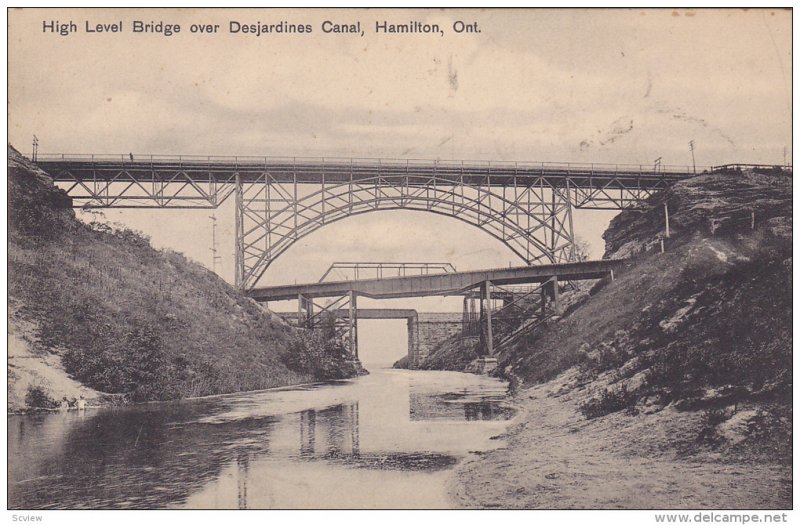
670 387
554 458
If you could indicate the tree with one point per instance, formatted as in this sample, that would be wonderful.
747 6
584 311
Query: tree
583 249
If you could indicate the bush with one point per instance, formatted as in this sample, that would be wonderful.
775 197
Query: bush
37 397
320 352
770 421
611 355
714 416
611 400
134 364
710 420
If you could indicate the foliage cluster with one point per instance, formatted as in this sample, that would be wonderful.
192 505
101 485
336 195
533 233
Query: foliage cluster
611 399
321 352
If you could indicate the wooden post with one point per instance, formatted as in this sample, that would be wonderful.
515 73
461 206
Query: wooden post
752 220
239 225
666 220
474 317
486 292
662 245
413 341
300 321
556 302
353 321
544 299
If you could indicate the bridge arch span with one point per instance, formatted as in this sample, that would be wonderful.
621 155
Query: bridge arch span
534 223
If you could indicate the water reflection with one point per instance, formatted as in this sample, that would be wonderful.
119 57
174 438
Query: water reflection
122 458
473 399
353 444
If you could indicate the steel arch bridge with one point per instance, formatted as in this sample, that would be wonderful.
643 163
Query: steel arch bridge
525 205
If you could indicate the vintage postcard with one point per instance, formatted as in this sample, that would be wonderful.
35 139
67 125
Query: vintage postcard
400 259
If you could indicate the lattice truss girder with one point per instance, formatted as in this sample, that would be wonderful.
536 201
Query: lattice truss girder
532 215
147 188
534 218
610 193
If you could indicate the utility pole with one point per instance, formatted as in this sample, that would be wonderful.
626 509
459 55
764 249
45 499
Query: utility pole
35 153
657 165
214 257
691 147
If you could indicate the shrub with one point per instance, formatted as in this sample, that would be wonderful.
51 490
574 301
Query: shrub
714 416
133 364
37 397
710 420
770 421
320 352
613 399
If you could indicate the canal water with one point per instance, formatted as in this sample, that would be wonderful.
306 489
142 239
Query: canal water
386 440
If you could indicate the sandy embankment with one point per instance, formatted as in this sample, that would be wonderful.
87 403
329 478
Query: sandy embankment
32 367
555 459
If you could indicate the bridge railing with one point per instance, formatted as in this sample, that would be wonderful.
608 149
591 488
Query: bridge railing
365 163
738 167
378 270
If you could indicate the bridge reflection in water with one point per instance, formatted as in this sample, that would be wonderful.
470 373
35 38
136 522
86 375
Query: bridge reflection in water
326 440
393 432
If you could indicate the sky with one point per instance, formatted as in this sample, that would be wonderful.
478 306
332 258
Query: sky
621 86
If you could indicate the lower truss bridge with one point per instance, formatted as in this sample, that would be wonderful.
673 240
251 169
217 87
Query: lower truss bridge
492 325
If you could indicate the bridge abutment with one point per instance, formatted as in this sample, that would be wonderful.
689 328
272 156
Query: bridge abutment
431 330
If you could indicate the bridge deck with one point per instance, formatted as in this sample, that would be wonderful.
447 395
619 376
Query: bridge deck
440 284
362 313
159 169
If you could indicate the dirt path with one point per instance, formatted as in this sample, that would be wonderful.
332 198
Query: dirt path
556 459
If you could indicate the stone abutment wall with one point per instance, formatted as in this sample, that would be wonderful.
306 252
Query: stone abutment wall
427 331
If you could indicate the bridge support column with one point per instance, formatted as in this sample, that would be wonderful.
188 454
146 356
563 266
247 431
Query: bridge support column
239 223
544 299
305 311
471 320
550 288
413 341
487 338
556 299
352 325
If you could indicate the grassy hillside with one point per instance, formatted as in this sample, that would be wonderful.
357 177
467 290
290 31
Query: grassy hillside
715 306
705 326
125 318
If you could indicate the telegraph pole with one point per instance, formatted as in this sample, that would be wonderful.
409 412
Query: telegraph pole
657 165
214 257
691 147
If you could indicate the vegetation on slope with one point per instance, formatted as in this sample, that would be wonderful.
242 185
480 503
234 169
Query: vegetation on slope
127 319
707 325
